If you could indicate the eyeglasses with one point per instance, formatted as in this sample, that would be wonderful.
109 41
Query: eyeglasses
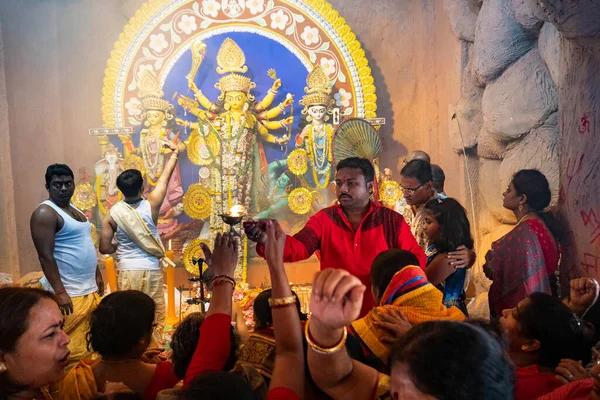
410 192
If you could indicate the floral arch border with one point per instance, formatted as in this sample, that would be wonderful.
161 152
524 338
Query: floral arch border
328 19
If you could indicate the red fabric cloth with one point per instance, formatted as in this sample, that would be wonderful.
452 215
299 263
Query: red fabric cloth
330 231
282 393
530 383
163 378
578 390
520 263
213 347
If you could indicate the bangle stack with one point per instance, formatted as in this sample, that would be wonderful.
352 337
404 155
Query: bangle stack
220 279
324 350
280 302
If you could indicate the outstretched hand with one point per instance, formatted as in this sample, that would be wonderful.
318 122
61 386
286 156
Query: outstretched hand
225 254
336 298
275 244
256 230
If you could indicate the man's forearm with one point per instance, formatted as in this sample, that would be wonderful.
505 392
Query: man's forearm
169 168
50 269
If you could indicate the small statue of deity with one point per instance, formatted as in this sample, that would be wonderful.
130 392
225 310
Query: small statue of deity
107 170
316 133
230 133
158 125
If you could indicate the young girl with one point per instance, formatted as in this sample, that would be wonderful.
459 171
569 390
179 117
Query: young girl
448 229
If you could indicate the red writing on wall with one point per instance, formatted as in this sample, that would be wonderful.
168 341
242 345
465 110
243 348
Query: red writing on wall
590 219
584 124
590 263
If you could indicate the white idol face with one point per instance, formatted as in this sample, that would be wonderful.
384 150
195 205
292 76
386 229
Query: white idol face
317 113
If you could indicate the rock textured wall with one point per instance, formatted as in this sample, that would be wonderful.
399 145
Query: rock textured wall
522 59
507 116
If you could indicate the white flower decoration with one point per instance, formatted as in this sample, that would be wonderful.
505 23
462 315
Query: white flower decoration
144 67
310 35
134 106
188 24
211 7
204 173
158 42
342 98
256 6
279 20
328 65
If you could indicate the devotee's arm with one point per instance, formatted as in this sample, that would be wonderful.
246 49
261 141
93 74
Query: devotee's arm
439 269
289 350
109 227
157 196
43 228
582 296
213 347
335 302
406 241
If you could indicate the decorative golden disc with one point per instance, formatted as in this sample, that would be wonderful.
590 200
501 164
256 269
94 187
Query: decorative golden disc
197 201
191 251
300 201
390 192
134 162
84 196
297 162
200 150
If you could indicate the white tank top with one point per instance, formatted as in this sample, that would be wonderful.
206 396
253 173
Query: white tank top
75 255
130 255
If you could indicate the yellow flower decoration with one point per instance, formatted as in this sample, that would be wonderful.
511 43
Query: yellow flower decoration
390 192
84 196
134 162
297 162
300 201
94 234
191 251
196 201
194 152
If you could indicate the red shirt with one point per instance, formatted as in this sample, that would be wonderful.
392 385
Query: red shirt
330 231
531 383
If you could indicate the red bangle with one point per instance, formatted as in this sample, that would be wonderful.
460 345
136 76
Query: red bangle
61 292
283 305
216 283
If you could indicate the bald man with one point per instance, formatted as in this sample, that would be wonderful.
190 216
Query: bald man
417 155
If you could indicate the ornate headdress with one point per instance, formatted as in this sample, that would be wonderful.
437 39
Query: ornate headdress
231 59
110 149
318 90
150 92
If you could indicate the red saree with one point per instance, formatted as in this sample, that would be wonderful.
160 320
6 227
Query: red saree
520 263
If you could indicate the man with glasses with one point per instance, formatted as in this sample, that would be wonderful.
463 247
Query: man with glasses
350 234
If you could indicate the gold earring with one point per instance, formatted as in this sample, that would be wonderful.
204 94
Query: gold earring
2 368
246 107
146 124
520 207
309 119
227 106
163 124
524 348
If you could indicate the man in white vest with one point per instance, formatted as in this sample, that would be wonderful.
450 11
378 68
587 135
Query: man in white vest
62 237
138 245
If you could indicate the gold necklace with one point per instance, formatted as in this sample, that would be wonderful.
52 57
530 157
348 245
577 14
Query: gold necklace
523 217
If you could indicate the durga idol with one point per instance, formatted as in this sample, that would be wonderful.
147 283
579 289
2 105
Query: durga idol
229 134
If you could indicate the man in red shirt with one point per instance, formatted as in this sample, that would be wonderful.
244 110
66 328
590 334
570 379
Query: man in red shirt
350 234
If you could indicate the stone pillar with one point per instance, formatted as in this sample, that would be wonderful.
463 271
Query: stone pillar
579 93
9 255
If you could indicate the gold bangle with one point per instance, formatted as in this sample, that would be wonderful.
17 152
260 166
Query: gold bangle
324 350
280 301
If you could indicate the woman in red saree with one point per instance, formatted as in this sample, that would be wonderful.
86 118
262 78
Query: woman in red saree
525 260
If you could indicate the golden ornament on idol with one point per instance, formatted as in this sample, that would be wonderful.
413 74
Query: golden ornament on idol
297 163
390 192
196 202
191 251
300 201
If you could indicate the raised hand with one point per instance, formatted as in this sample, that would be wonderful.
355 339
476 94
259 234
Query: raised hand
225 254
336 298
288 121
275 244
583 295
289 100
167 144
207 254
256 231
276 84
